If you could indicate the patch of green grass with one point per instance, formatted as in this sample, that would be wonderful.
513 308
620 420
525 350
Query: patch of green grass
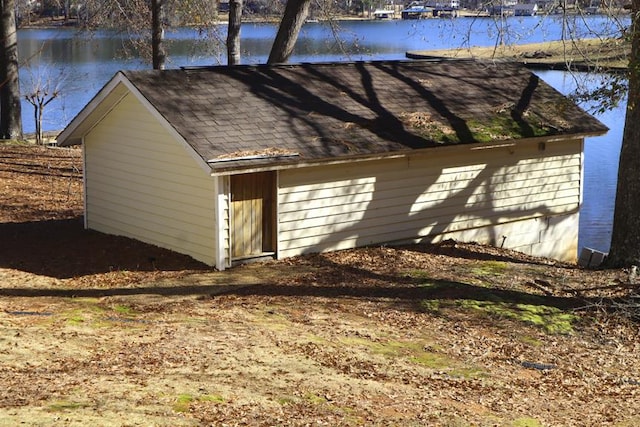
85 311
526 422
490 268
630 422
430 306
315 399
124 310
65 405
468 373
417 274
286 400
392 348
183 401
550 319
75 319
431 360
417 352
215 398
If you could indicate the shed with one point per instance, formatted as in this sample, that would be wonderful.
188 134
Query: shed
228 163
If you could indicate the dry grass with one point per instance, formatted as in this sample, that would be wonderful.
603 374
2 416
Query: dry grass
94 331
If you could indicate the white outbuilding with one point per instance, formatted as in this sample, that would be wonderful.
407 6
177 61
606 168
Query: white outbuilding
228 163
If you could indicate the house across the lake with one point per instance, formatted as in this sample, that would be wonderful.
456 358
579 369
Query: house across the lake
525 9
384 14
229 163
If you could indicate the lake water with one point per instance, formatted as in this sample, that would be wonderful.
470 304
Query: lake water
81 63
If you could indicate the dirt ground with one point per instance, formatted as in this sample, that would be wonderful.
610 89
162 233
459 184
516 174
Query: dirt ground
103 330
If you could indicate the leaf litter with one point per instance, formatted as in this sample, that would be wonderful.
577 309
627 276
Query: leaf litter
104 330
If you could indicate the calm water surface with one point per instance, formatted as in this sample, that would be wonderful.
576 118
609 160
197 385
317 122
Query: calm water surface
81 63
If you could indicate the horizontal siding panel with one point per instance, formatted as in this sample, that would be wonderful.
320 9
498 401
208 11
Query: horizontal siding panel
409 196
103 224
162 165
446 215
161 232
421 196
390 178
149 205
455 160
412 195
128 184
443 180
141 176
563 201
160 154
379 229
143 127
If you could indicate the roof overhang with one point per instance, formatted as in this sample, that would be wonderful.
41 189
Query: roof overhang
105 101
101 104
243 165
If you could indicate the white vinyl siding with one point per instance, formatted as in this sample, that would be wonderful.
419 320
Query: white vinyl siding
142 183
461 193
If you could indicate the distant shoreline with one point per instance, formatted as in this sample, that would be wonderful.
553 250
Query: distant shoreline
578 55
61 22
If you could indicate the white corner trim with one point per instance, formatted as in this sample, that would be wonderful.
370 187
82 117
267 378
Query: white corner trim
219 193
85 218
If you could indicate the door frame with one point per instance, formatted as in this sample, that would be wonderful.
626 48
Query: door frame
245 186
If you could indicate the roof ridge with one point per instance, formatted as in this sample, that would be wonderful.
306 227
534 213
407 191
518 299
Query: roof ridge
196 68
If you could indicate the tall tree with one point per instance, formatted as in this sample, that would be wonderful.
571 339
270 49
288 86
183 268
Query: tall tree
233 32
295 13
10 111
158 54
625 239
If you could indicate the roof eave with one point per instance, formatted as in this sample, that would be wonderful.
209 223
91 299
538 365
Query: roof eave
230 169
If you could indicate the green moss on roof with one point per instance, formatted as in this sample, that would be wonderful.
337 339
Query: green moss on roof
504 124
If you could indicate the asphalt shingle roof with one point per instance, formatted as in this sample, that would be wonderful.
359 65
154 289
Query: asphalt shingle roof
327 111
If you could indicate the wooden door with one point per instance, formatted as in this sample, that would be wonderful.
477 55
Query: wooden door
252 214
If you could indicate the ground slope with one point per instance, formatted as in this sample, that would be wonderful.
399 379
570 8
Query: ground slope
105 330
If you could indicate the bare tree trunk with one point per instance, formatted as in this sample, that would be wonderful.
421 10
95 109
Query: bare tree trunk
625 240
295 14
10 109
233 32
37 113
158 52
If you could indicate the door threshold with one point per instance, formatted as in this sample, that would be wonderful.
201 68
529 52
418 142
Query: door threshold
264 256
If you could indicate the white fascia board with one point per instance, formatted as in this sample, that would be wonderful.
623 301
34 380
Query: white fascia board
74 131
